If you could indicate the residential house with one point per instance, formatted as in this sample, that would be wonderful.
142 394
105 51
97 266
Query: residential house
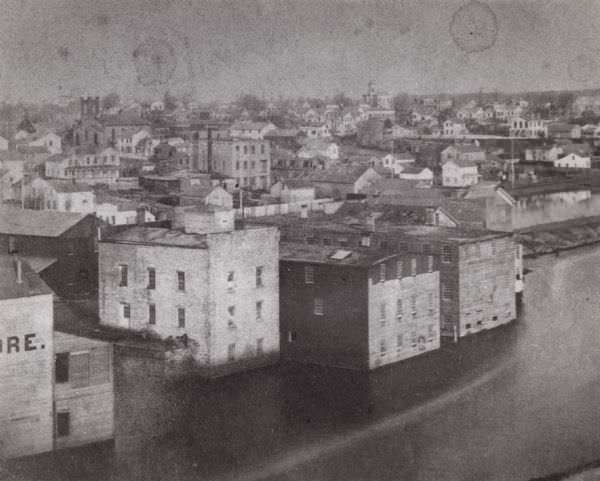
356 308
318 147
60 195
422 174
459 173
162 280
213 195
293 190
316 130
528 126
573 161
61 246
469 152
341 180
454 129
396 162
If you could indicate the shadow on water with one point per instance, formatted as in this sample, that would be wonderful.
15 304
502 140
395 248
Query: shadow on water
185 428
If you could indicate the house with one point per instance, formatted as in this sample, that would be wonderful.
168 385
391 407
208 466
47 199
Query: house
51 141
399 131
162 280
396 162
454 129
469 152
214 195
561 130
341 180
528 126
49 379
91 165
356 308
313 147
422 174
251 130
60 195
316 130
118 211
61 246
293 190
459 173
573 161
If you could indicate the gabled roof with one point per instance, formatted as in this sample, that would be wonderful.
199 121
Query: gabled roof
339 174
462 162
413 169
32 149
10 288
57 158
123 119
40 223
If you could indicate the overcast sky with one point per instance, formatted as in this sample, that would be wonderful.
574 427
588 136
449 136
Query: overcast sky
214 50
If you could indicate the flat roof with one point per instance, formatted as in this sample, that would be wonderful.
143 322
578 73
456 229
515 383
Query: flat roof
158 236
299 252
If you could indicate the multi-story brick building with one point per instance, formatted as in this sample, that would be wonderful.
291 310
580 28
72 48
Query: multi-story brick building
203 281
246 160
359 308
478 274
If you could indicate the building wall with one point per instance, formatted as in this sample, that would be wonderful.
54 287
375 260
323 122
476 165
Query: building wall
399 335
26 424
455 176
487 284
241 252
339 337
88 394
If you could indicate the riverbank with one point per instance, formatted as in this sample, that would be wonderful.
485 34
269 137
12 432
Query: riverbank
558 236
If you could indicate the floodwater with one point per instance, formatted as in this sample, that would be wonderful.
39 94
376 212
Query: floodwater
510 404
555 207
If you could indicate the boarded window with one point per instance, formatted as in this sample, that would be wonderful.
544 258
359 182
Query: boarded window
124 275
181 317
61 367
80 369
151 313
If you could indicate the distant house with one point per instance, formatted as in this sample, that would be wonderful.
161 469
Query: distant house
316 130
60 246
396 162
573 161
293 190
118 211
341 180
417 173
454 129
214 195
463 152
251 130
399 131
319 147
50 140
60 195
459 173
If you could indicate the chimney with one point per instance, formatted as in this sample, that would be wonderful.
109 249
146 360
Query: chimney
19 269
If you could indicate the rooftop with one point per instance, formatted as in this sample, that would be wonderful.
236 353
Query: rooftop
298 252
158 236
31 285
41 223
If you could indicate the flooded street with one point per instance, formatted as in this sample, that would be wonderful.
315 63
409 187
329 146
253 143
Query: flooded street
510 404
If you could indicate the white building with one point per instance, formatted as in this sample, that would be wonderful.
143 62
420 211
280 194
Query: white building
573 161
459 173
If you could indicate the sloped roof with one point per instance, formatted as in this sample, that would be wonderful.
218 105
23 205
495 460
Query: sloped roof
462 162
299 252
248 125
339 174
158 236
66 186
413 169
31 285
40 223
124 119
32 149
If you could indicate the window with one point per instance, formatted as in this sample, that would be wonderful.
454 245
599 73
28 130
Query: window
430 302
493 248
426 248
399 341
318 308
180 280
399 309
382 273
151 278
126 310
237 165
399 269
292 336
429 263
413 305
365 241
253 149
61 367
259 306
151 314
262 148
402 246
12 245
309 275
180 317
326 241
259 346
231 317
231 352
63 424
124 274
446 253
382 313
413 267
446 292
311 240
259 276
382 348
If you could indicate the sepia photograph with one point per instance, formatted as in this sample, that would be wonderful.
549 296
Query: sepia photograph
300 240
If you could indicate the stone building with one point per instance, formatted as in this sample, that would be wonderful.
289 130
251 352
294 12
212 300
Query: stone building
357 309
203 281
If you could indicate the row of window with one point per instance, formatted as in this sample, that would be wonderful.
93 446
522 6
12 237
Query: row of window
252 149
151 276
383 310
244 165
414 341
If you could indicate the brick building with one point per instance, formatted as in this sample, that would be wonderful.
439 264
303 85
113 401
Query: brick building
202 281
359 308
60 246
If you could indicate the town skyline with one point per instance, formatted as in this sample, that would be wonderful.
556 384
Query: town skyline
306 48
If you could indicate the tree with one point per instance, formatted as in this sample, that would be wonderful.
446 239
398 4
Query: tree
110 101
169 101
342 100
251 103
401 103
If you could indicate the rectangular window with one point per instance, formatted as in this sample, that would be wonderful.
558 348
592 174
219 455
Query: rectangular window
446 292
382 313
230 280
326 241
402 246
309 275
12 245
79 365
231 352
493 248
365 241
318 308
429 263
180 281
430 300
382 273
259 310
124 275
399 341
231 317
61 367
151 278
262 148
126 310
413 267
413 305
151 314
259 276
180 317
446 253
399 309
292 336
382 348
399 269
63 424
259 346
426 248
